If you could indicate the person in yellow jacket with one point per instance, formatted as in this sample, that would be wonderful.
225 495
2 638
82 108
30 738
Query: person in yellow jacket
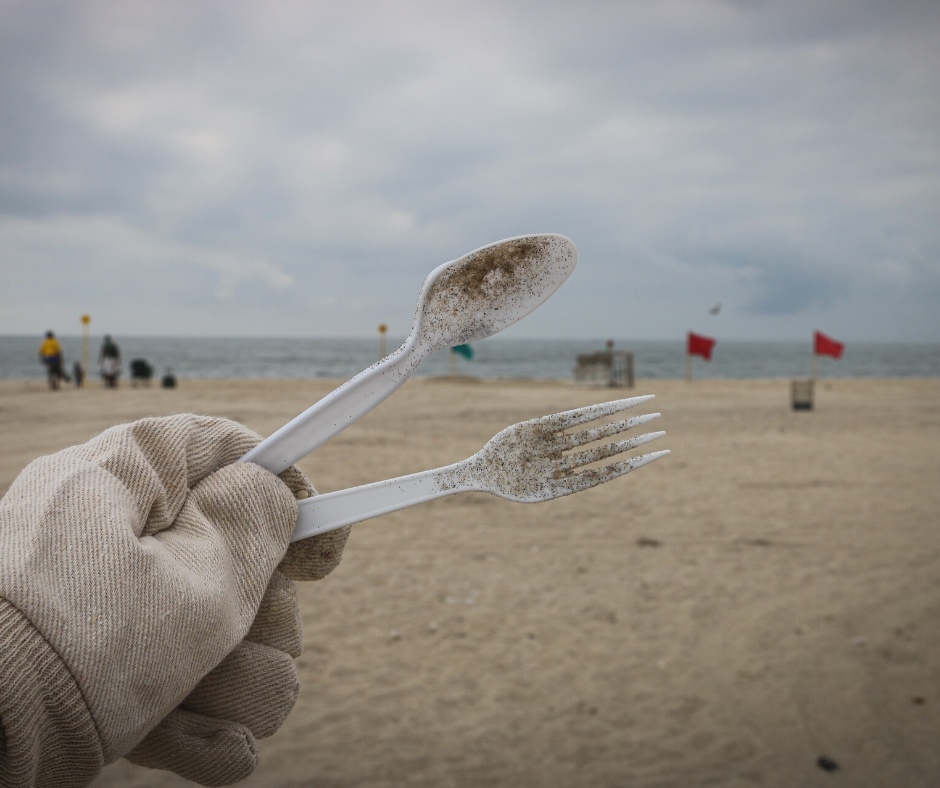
50 353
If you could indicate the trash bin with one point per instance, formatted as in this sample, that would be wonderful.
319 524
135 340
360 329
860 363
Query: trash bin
801 394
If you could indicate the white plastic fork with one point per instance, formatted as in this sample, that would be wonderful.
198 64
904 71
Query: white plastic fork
524 462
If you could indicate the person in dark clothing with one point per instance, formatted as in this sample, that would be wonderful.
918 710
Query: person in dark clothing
110 360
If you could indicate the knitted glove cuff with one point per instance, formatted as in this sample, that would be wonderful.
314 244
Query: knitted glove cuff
47 735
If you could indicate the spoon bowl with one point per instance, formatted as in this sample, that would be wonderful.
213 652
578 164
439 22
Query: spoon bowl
489 289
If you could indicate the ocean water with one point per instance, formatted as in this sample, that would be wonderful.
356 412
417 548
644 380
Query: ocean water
201 357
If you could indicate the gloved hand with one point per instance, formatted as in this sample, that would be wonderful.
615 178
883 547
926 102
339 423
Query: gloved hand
132 568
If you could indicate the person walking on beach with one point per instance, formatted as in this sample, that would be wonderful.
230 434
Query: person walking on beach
50 353
110 360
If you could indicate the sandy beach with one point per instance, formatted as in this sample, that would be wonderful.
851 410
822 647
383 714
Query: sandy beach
768 594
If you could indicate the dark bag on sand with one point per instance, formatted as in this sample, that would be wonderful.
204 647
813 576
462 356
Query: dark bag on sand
141 370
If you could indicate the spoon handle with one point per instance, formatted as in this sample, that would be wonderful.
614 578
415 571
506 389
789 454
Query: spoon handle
336 411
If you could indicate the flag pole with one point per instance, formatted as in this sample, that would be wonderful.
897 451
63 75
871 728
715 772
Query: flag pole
86 320
688 366
383 330
815 366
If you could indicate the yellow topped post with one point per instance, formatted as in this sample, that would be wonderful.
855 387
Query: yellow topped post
383 330
86 321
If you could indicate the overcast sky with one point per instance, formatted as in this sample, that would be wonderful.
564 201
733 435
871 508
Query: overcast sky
297 168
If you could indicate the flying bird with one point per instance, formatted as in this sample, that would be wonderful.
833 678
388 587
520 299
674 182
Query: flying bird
715 309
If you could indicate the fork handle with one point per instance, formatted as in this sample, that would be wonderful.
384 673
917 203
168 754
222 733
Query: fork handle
330 511
336 411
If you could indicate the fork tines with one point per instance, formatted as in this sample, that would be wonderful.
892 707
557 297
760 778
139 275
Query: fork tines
572 418
594 476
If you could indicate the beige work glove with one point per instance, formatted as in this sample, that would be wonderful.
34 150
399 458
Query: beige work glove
140 612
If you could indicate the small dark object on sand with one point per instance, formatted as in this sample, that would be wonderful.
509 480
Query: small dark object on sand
168 381
918 700
141 372
645 541
801 394
827 764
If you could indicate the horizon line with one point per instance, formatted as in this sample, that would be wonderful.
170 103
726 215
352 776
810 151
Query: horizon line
374 337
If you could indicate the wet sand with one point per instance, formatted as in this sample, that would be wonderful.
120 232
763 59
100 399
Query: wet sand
768 594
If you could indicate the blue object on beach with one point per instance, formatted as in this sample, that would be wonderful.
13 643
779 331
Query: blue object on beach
464 350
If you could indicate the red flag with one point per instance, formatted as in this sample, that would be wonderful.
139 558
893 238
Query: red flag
700 346
827 346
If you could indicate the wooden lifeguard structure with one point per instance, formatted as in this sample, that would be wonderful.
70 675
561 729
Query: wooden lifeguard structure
606 368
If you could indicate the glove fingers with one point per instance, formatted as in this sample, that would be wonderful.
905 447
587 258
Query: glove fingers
277 623
199 748
316 557
231 533
297 482
255 686
161 459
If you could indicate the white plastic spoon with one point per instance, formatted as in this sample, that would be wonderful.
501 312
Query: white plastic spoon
462 301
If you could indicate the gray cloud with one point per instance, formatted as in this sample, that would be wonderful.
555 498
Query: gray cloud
297 168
